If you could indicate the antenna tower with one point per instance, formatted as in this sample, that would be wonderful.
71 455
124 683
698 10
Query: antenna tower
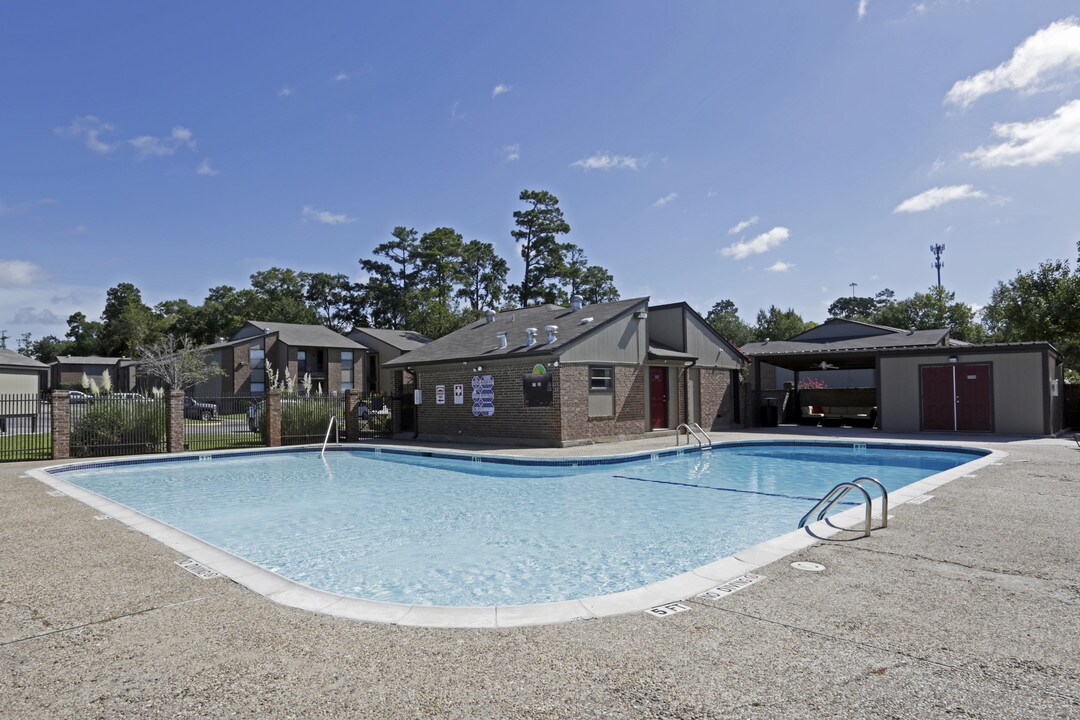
936 251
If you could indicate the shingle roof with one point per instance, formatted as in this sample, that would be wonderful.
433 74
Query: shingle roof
299 335
900 339
10 358
478 340
404 340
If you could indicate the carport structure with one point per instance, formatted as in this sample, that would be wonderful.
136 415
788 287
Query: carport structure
926 381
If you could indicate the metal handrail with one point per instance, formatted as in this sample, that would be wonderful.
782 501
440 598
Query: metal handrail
689 433
330 426
837 494
708 440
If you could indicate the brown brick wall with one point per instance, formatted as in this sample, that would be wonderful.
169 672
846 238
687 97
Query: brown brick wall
511 419
629 418
717 399
61 425
174 421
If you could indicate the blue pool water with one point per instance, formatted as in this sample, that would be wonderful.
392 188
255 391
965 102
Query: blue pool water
437 531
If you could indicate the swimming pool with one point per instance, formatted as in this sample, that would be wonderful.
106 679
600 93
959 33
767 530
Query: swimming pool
439 529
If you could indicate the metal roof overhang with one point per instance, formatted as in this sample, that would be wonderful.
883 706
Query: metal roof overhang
811 360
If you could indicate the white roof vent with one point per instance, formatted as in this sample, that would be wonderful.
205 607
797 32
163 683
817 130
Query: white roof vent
911 331
489 314
552 332
585 321
502 339
530 336
576 301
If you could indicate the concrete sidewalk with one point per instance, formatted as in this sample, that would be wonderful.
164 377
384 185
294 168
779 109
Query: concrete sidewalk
967 605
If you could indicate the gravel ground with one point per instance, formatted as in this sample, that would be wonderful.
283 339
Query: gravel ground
966 606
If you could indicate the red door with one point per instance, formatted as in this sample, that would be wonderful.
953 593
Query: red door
974 408
938 398
658 397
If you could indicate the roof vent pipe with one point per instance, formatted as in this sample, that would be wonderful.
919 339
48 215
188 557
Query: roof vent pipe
576 301
502 339
489 314
911 331
551 331
530 336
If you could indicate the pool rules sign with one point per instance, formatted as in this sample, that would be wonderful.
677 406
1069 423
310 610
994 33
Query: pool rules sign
483 396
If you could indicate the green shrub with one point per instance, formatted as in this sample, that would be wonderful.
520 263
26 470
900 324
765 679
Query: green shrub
306 418
107 427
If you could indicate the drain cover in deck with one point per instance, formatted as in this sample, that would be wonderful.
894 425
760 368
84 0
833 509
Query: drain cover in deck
808 566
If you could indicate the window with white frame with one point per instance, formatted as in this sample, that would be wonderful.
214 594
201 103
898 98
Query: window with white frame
346 370
601 391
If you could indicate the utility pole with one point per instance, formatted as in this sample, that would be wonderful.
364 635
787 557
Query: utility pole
853 286
3 339
936 250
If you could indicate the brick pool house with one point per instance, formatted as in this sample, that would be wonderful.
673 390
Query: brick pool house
555 376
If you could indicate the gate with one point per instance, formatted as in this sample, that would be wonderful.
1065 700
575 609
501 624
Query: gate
25 427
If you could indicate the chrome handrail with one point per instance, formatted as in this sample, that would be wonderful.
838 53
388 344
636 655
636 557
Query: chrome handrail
689 434
708 440
330 426
822 506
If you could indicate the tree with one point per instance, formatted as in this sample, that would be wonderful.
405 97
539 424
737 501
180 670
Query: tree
179 364
48 348
936 308
336 299
438 261
279 296
777 324
126 322
724 317
25 345
85 335
481 275
1038 305
536 234
853 308
390 282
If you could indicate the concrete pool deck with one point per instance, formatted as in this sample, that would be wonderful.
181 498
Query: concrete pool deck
966 605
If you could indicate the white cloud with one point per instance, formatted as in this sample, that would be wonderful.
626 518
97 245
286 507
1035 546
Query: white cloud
34 316
862 8
500 89
205 168
25 206
80 229
19 273
1049 53
90 128
759 244
607 161
150 146
325 216
665 200
936 197
779 266
341 76
511 152
1040 141
742 225
285 91
455 113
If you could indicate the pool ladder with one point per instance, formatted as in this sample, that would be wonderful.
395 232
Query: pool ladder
693 430
837 494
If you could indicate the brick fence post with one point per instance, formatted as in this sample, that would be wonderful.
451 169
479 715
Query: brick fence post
273 418
352 417
174 421
60 425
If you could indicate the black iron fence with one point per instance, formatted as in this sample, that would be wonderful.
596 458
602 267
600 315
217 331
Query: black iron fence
25 422
376 416
119 424
220 423
306 418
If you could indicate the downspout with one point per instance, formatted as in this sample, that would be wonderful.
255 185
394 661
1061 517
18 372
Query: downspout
416 406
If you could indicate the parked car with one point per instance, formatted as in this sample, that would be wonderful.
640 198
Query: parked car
77 396
199 410
134 397
253 412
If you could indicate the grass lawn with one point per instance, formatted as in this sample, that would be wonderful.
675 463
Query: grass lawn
222 441
32 446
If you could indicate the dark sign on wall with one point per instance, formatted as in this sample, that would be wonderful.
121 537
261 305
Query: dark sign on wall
539 390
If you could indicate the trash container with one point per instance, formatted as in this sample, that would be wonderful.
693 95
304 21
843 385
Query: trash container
770 414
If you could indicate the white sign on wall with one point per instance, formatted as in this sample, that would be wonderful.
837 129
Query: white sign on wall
440 394
459 394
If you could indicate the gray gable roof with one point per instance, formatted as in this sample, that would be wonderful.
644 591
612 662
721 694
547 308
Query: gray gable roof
404 340
88 360
10 358
297 335
896 339
478 341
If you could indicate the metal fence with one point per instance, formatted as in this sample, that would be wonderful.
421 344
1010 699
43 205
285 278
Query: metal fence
220 423
305 419
376 416
117 425
25 427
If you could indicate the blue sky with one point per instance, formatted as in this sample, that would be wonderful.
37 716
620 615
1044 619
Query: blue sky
766 152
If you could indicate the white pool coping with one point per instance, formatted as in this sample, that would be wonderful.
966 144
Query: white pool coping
288 592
